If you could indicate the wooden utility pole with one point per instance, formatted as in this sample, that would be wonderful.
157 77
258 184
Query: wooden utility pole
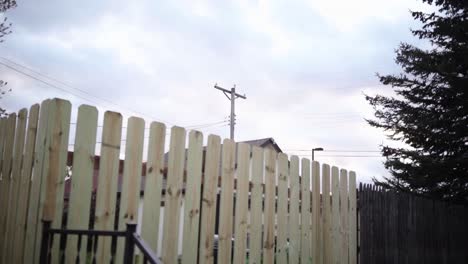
232 96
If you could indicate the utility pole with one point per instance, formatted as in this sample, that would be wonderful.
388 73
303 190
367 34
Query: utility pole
232 96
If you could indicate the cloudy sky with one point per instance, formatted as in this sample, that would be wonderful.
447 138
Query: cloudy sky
304 65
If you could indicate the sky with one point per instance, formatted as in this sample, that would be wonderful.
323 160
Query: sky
303 65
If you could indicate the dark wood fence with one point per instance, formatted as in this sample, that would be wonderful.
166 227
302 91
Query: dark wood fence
402 228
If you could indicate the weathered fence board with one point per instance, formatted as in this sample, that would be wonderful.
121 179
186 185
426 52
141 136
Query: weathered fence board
192 197
305 211
326 215
336 245
33 224
130 194
25 185
15 184
226 201
294 215
282 235
107 182
256 206
208 213
316 250
154 181
270 204
344 218
59 127
242 203
79 202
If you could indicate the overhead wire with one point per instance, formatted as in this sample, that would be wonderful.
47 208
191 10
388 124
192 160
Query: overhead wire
69 86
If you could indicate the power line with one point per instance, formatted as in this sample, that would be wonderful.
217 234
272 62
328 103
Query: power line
67 85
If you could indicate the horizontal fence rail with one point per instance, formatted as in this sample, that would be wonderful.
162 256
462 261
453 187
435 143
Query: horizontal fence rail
190 200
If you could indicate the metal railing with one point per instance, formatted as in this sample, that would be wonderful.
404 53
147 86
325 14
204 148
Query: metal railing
132 239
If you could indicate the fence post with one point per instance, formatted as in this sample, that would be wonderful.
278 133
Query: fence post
45 241
129 244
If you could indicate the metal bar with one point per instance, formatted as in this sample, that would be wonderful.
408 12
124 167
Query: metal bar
87 232
45 241
146 250
129 244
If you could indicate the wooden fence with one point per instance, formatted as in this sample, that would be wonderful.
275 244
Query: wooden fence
271 208
403 228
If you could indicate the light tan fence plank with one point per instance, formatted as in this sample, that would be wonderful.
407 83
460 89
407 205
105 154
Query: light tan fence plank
294 217
37 186
256 206
81 180
344 216
226 202
242 200
192 198
6 178
305 211
108 180
352 219
270 204
173 198
130 194
210 186
326 215
282 227
153 185
316 241
336 245
25 181
58 131
16 192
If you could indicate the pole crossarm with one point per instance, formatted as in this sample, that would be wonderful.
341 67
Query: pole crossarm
229 92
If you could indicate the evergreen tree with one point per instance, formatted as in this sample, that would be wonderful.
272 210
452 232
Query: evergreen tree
429 112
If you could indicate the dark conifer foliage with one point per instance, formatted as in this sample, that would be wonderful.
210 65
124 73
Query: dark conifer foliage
429 112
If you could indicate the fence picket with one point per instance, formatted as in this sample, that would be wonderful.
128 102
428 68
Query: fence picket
130 194
242 203
270 204
25 185
335 215
344 217
282 226
352 228
172 202
294 217
326 215
316 223
256 206
37 188
55 168
81 180
226 202
15 185
6 178
107 182
210 190
192 197
305 211
153 185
